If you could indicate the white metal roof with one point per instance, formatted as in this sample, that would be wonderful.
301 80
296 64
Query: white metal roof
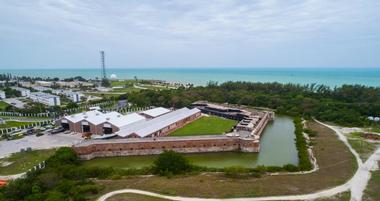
155 112
119 120
145 127
114 118
80 116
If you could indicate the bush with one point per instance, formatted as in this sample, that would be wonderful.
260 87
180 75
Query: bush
170 162
63 156
290 168
235 172
310 132
303 155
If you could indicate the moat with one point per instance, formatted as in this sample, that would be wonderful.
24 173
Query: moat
277 148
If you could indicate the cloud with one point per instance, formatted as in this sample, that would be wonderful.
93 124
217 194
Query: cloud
172 24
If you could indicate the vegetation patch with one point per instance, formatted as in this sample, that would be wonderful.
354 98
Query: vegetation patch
345 196
362 146
3 105
206 125
23 161
134 197
10 124
302 147
372 193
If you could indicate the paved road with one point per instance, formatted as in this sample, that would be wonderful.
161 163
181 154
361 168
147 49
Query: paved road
42 142
356 184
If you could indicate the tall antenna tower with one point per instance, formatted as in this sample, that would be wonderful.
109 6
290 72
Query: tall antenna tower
103 74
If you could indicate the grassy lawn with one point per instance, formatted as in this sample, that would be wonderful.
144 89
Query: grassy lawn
372 193
375 129
211 125
126 90
134 197
9 124
364 148
339 197
116 83
21 162
336 163
3 105
104 94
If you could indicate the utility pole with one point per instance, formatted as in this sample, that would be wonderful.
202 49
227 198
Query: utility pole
103 70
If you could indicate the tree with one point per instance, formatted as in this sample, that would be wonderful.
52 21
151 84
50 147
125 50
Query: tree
171 162
63 156
106 82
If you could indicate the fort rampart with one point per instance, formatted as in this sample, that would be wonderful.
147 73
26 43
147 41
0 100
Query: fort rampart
148 146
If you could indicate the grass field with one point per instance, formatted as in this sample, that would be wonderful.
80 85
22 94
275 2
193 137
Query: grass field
339 197
116 83
3 105
21 162
211 125
375 129
337 165
134 197
372 193
9 124
364 149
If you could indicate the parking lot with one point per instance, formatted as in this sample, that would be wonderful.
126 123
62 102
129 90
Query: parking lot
15 102
42 142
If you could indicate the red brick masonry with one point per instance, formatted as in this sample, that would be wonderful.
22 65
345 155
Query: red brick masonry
147 146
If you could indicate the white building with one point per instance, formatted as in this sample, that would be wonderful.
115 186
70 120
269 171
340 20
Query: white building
24 92
2 95
73 96
44 98
41 88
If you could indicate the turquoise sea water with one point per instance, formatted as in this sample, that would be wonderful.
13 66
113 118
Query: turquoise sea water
200 76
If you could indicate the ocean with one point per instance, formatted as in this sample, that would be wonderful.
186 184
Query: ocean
201 76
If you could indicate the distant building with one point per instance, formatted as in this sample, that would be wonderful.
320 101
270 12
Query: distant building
24 92
73 96
41 88
25 84
2 95
45 98
44 83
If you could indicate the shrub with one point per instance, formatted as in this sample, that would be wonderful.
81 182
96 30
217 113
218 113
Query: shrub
235 172
303 155
290 168
170 162
63 156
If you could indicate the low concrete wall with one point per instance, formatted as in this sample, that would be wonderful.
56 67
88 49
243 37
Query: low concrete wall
196 144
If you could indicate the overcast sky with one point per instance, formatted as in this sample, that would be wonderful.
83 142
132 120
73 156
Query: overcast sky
189 33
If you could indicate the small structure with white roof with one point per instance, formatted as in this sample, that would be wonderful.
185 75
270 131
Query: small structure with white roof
155 112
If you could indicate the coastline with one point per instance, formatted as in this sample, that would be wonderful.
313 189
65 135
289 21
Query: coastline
201 76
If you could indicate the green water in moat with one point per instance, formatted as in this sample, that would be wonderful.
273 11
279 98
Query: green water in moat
277 148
